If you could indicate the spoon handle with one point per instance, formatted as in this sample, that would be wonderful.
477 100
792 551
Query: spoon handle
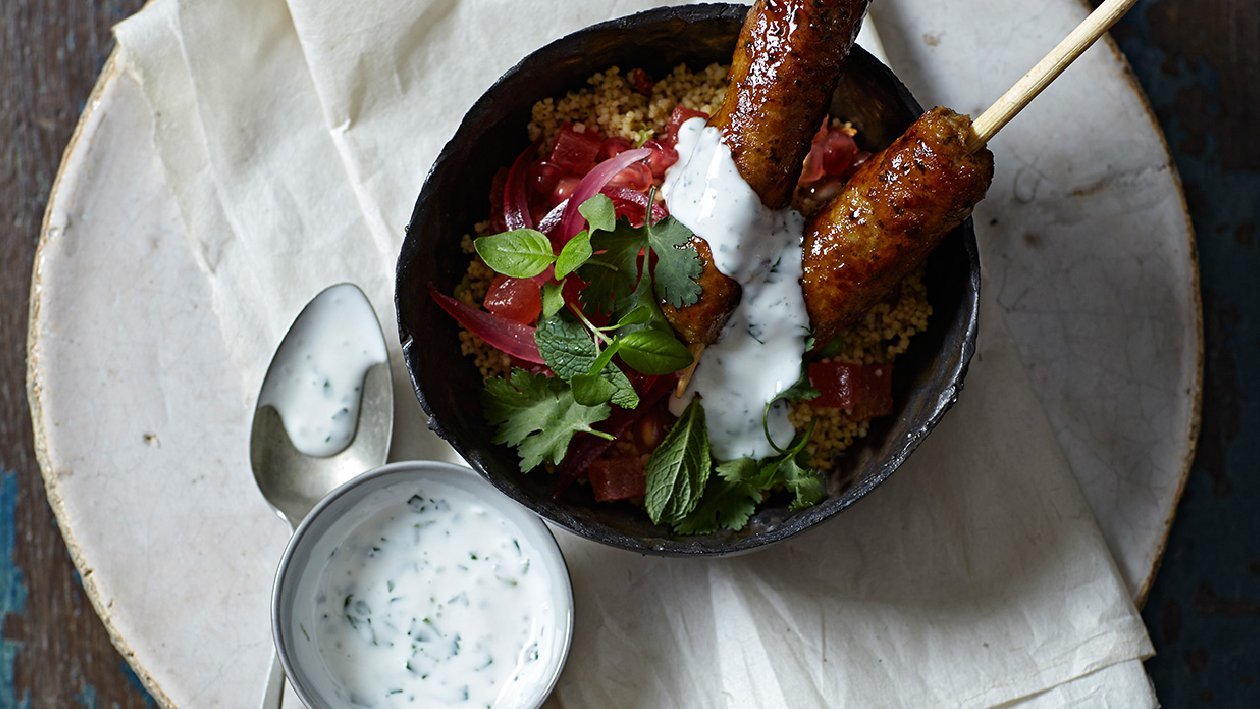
273 695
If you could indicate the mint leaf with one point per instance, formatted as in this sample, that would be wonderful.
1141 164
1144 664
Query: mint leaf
624 394
600 213
523 253
592 389
538 415
677 265
573 254
568 349
552 298
565 346
654 351
679 468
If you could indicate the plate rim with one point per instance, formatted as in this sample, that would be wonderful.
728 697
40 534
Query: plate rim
52 486
112 71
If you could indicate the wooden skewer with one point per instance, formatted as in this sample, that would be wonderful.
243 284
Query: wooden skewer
685 378
1046 71
1013 101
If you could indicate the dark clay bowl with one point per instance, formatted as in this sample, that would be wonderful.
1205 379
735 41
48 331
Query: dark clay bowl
455 196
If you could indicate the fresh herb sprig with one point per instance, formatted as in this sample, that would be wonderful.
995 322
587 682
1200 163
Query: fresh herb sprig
539 415
742 484
626 272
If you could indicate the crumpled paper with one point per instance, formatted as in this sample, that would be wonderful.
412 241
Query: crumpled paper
295 138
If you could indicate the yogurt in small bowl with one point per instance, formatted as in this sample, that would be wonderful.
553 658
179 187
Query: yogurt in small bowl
418 584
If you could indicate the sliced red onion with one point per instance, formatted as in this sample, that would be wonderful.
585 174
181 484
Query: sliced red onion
595 180
515 206
623 195
500 333
551 220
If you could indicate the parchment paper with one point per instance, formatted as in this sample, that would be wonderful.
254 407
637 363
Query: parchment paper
295 138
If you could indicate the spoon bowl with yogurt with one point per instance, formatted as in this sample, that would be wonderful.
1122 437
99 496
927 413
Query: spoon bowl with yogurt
324 414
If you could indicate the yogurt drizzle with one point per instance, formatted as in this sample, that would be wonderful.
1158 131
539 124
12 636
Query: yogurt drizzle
759 352
316 379
432 602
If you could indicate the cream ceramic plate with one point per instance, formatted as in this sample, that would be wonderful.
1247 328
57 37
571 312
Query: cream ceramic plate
143 439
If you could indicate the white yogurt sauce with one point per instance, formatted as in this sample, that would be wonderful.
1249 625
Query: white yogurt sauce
432 602
758 354
316 379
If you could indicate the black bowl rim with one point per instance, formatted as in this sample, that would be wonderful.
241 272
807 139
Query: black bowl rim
806 519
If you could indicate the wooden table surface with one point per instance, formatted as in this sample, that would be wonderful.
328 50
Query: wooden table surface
1199 61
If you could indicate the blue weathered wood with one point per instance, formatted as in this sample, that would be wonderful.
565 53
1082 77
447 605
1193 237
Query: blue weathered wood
1199 63
53 650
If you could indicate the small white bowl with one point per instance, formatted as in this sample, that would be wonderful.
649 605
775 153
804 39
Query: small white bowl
305 621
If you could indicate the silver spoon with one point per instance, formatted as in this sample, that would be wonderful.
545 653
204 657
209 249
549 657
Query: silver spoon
292 481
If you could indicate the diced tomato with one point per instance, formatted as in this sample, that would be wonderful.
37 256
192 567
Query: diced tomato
507 336
586 448
619 478
564 187
613 146
680 116
831 154
814 168
637 177
517 299
573 285
543 176
863 391
575 151
661 158
839 151
640 81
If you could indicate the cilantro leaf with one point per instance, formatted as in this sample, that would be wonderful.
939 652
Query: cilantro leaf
677 265
802 390
679 468
568 349
523 253
738 470
726 505
538 415
623 394
613 271
807 485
